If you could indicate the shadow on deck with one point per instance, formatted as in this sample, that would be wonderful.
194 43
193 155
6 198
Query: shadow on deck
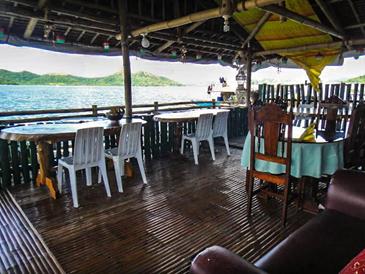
160 227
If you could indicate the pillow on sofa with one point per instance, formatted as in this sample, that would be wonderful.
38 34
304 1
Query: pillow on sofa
356 266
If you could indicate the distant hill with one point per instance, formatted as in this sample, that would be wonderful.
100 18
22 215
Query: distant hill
28 78
359 79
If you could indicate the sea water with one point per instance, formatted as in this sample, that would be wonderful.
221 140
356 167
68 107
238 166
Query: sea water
21 98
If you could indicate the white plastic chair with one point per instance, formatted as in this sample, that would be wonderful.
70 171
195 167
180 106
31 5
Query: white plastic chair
129 146
88 153
204 132
220 128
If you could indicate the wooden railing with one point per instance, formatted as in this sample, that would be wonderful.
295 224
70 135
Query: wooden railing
297 94
18 160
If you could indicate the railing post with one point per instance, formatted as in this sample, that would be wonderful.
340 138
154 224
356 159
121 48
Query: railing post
95 110
155 107
213 103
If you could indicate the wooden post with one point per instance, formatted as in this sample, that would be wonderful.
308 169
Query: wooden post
95 110
126 62
155 107
248 71
213 103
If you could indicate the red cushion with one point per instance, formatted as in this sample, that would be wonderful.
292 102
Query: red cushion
356 266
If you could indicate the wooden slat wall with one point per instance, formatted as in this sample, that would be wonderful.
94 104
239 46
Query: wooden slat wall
304 94
19 164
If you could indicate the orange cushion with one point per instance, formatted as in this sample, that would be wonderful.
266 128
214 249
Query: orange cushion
356 266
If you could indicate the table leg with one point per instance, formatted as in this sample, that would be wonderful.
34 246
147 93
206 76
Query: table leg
45 176
177 137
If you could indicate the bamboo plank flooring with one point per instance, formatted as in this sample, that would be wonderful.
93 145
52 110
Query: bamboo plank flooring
21 248
158 228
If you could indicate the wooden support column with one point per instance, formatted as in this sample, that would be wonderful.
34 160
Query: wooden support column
248 71
126 62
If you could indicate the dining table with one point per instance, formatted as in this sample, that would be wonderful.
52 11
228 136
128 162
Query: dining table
45 135
181 117
312 159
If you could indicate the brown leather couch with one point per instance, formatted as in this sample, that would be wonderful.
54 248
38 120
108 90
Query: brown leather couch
323 245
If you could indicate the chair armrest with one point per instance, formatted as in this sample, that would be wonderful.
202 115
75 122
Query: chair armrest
346 193
218 260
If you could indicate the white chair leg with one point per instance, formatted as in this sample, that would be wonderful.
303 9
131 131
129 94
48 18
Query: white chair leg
195 144
73 187
211 146
141 167
102 170
88 176
99 176
182 145
118 174
60 177
225 137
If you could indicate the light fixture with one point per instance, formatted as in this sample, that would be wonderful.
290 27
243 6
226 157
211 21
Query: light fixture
319 56
106 46
198 56
241 77
47 31
226 27
145 42
219 57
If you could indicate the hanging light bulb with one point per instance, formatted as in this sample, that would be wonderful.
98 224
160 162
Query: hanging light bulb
145 42
226 27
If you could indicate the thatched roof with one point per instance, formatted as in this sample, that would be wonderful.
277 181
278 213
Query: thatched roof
86 25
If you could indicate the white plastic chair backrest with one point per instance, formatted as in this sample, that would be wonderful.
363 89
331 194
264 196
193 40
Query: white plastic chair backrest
220 123
130 139
89 146
204 127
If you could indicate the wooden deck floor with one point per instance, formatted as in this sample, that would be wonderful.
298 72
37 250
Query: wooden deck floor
160 227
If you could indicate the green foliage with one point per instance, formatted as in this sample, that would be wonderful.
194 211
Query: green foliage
359 79
28 78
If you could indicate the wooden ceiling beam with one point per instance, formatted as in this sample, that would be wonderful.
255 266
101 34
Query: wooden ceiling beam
332 18
33 21
348 44
201 16
302 20
357 17
257 28
185 31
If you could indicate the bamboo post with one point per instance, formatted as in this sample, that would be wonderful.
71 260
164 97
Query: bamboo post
94 110
155 107
126 62
249 70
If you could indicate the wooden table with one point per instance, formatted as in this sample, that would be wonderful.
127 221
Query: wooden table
184 116
44 135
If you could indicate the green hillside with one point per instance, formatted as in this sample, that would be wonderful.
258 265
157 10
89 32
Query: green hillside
359 79
28 78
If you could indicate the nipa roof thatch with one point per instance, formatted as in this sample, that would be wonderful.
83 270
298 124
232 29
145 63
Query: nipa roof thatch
311 33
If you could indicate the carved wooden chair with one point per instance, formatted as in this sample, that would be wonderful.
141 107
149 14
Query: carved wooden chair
355 139
328 118
271 140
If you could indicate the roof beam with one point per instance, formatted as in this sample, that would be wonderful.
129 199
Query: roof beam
257 28
348 43
33 21
185 31
201 16
328 12
357 17
80 36
302 20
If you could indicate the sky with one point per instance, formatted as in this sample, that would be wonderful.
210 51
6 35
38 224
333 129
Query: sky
42 62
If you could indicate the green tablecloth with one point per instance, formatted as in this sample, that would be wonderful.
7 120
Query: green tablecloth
308 159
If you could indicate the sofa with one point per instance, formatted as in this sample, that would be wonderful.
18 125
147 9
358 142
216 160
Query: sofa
325 244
